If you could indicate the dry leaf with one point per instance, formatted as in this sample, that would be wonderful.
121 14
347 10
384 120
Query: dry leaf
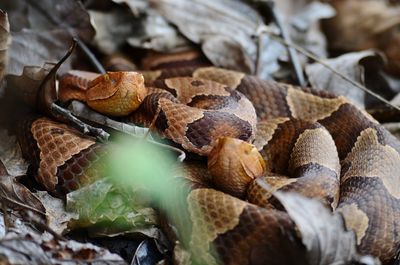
361 25
11 155
227 52
17 196
158 35
47 15
232 22
304 27
113 28
30 47
148 29
14 195
34 249
47 32
358 66
26 85
324 234
70 16
56 215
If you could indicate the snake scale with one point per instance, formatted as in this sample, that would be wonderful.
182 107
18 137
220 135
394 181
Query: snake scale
307 141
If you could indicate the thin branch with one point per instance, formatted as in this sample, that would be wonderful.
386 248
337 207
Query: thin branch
294 58
320 61
99 133
92 58
80 110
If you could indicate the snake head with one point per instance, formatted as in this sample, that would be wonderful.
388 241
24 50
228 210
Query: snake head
116 93
112 94
233 164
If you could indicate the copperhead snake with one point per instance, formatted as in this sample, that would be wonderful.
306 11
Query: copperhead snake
306 141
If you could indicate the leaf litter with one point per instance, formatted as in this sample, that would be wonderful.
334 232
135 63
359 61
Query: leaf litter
228 34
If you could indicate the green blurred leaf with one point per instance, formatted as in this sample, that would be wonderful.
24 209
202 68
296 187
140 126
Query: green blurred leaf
107 210
141 165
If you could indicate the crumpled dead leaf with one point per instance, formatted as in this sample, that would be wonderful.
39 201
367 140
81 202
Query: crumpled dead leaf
113 29
70 16
158 35
31 47
27 84
361 25
47 32
11 155
305 30
57 217
5 41
232 22
358 66
34 249
324 234
150 30
18 197
46 15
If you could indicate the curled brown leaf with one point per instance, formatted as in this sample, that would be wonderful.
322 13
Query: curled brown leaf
324 234
17 196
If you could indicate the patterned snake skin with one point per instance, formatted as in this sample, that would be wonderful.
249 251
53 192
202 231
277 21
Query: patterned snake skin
311 142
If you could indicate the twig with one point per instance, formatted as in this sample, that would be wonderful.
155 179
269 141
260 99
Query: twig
294 58
98 118
81 111
92 58
100 134
318 60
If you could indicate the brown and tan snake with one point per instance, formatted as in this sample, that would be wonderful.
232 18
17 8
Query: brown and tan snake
305 141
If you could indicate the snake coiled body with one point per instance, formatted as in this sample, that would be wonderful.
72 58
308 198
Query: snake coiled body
312 142
369 170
